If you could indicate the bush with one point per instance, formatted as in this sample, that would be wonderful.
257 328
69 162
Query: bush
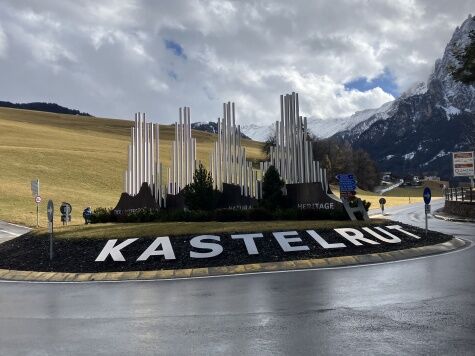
104 215
272 185
230 215
259 214
200 194
354 203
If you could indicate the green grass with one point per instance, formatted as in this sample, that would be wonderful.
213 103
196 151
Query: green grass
77 159
109 231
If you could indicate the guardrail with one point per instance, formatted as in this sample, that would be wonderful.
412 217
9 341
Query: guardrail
460 194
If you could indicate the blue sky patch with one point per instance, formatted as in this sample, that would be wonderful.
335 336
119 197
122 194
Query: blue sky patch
385 81
175 48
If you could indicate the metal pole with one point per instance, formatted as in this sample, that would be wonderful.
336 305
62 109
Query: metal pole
37 205
51 242
427 223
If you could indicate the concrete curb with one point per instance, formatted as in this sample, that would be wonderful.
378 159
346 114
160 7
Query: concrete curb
320 263
451 218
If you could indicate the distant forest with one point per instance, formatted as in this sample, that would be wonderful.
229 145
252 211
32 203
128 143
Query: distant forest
48 107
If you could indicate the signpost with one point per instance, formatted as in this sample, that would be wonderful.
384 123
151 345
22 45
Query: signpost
35 192
463 165
382 201
347 184
427 195
66 210
50 212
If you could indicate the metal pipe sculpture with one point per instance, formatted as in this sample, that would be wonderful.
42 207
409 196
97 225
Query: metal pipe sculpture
144 158
183 154
292 154
228 161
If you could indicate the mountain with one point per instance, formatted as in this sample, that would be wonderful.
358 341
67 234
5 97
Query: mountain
417 132
47 107
211 127
322 128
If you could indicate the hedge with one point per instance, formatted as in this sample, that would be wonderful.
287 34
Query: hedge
104 215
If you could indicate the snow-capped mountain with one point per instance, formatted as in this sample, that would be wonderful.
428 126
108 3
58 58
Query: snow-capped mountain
210 126
257 132
417 131
322 128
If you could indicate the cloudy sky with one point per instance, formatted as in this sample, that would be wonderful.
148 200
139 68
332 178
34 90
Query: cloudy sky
114 57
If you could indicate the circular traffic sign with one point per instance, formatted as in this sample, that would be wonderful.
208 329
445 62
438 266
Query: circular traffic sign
50 210
427 195
382 201
66 208
37 199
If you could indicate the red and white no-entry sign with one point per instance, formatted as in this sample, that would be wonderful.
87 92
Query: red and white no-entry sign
37 199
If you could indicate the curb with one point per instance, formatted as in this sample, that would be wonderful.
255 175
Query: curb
455 219
319 263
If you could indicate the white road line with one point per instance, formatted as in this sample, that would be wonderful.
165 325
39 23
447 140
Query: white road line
23 227
9 233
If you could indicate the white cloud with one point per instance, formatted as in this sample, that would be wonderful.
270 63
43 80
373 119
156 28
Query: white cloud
113 56
3 43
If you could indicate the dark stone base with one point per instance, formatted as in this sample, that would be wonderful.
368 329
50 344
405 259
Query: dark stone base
311 196
143 200
231 198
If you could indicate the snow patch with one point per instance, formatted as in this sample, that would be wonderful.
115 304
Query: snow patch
451 110
438 155
410 155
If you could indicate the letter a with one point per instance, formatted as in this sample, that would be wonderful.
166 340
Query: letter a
167 249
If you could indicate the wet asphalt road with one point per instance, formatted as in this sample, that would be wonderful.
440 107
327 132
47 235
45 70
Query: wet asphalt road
417 307
9 231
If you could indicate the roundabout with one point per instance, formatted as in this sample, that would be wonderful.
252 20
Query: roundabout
82 259
331 310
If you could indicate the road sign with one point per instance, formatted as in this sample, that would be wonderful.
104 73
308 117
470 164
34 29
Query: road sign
427 195
65 209
463 164
427 209
382 201
37 199
35 187
347 183
50 210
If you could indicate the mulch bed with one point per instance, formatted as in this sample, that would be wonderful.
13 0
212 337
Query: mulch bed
31 253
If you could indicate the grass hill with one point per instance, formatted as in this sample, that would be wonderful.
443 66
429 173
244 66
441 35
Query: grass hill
81 160
78 159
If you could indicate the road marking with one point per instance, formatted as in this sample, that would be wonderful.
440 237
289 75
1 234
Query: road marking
8 223
8 232
469 245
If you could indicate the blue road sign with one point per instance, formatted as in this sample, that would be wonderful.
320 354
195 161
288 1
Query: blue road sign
347 182
427 195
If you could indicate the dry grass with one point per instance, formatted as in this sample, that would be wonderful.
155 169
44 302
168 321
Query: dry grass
77 159
101 231
81 160
398 196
